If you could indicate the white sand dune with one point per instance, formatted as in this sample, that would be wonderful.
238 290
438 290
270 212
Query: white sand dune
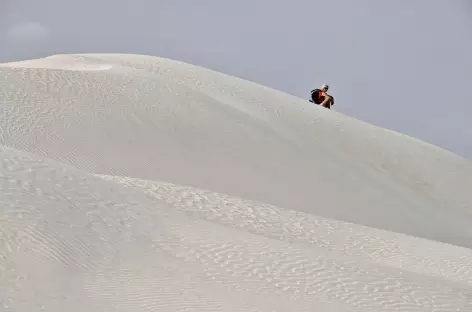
137 183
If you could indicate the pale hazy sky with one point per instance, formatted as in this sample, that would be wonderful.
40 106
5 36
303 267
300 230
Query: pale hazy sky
404 65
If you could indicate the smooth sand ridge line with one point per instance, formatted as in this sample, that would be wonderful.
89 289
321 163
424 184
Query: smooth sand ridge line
159 119
72 241
58 63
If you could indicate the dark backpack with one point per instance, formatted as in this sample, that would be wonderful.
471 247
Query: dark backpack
314 96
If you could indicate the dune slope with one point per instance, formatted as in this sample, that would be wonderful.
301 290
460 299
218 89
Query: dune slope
159 119
73 241
134 182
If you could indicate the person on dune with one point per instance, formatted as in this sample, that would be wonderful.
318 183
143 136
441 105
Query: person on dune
321 97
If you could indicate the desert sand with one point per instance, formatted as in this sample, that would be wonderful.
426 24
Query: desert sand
138 183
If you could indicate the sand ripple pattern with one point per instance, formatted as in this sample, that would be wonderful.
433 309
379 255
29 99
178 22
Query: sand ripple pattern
317 256
71 241
74 242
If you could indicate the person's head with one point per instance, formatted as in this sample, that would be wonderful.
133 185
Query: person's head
324 88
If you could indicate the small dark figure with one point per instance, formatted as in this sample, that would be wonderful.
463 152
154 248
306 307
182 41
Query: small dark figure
321 97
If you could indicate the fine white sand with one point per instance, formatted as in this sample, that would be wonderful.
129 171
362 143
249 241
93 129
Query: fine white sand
137 183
